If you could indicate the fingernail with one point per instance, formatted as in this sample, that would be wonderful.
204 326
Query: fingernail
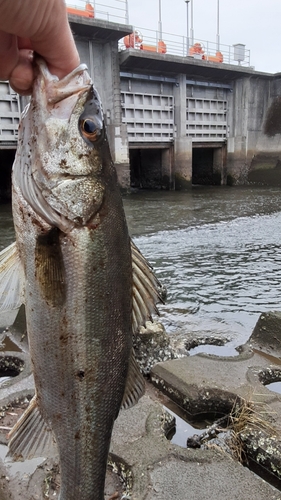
30 55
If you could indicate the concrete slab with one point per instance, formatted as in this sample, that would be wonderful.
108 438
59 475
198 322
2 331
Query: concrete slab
204 384
151 466
162 470
148 465
181 480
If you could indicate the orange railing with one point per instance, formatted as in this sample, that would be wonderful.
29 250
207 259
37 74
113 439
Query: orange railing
87 12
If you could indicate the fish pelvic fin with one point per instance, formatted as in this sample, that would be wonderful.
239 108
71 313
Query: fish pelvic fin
147 290
135 386
11 279
31 436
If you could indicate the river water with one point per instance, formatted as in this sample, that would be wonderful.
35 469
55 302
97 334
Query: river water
217 250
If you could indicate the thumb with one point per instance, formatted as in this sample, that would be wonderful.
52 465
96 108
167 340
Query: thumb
22 76
8 54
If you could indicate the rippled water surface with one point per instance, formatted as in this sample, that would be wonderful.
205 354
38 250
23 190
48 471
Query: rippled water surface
217 250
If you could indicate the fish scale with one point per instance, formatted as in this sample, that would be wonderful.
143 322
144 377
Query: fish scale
84 389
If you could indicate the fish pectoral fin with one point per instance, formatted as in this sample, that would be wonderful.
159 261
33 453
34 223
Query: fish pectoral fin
31 436
50 268
135 386
11 279
147 290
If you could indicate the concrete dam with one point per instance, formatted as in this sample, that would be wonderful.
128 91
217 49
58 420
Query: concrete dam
172 120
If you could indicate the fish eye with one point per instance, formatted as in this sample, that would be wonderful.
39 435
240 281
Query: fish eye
90 130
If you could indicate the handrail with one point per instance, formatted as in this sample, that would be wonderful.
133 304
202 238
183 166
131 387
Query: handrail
106 11
168 43
179 45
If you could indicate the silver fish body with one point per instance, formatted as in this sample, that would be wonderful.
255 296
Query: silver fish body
75 252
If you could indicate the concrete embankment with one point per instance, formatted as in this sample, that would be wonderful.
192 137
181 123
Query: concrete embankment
152 467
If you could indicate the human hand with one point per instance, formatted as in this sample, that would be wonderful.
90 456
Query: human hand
39 26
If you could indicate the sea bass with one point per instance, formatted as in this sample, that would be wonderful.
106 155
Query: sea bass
85 286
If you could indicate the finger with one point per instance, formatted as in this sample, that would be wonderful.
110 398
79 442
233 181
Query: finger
61 55
8 54
24 43
46 27
55 42
22 76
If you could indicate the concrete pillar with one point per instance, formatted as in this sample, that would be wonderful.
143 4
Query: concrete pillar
224 165
119 147
238 137
219 164
117 131
103 63
183 144
183 163
167 168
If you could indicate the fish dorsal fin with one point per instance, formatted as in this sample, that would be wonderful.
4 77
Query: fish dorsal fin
31 437
11 279
135 386
147 291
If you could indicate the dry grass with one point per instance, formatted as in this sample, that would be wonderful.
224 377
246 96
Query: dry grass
246 413
246 416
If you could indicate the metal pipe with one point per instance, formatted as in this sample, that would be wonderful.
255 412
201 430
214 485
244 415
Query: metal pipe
218 25
160 22
127 13
187 28
191 25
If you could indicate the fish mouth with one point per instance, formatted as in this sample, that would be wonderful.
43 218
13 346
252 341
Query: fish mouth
55 89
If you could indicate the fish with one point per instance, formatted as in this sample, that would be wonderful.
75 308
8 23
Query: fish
85 285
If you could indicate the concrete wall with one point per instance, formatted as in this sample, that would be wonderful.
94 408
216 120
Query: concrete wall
103 64
182 143
247 149
167 171
254 143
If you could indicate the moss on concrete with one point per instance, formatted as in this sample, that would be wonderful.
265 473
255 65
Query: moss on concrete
265 176
230 181
272 124
181 183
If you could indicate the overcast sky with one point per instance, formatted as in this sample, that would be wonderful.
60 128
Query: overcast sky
255 23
